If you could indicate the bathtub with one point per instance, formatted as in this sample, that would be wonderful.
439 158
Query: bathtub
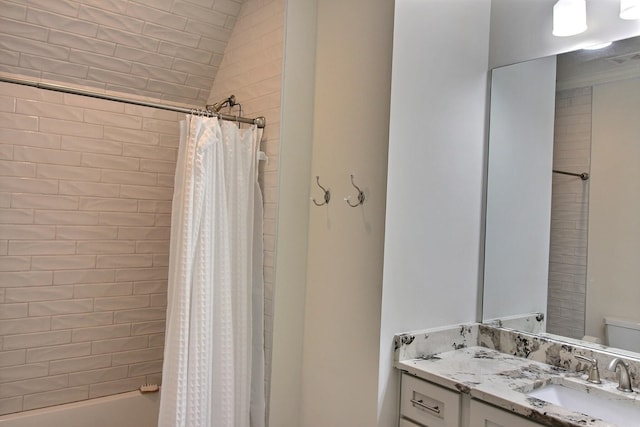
132 409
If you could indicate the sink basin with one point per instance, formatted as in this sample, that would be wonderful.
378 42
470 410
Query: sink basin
606 406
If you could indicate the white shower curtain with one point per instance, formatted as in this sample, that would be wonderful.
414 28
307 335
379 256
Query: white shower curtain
213 372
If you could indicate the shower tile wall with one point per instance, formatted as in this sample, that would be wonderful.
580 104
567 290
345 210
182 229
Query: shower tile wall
164 49
252 70
85 200
569 214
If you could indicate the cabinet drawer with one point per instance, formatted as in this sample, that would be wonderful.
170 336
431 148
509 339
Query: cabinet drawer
429 404
407 423
483 415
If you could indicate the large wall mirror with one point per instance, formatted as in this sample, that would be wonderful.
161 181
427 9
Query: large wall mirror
557 243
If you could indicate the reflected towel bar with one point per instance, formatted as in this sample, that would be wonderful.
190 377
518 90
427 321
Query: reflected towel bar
583 176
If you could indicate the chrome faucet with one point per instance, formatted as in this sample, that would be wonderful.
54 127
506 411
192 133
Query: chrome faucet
625 380
594 373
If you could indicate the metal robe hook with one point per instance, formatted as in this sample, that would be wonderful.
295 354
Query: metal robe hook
327 194
360 195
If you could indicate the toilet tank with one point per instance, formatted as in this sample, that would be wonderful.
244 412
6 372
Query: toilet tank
623 333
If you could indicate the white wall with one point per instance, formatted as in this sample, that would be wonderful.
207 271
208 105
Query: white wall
518 215
293 213
345 255
614 208
521 30
435 177
433 241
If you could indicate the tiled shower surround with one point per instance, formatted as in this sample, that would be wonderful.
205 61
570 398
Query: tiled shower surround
85 202
163 49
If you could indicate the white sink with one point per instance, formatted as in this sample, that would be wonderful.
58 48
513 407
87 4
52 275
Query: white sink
609 407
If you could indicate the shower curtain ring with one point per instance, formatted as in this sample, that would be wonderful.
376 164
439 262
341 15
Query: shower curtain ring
360 195
327 194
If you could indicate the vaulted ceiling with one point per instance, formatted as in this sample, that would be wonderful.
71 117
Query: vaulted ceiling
164 49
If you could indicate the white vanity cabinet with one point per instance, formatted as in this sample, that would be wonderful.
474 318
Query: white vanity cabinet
424 404
483 415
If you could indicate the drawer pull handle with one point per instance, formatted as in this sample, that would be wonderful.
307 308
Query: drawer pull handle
434 409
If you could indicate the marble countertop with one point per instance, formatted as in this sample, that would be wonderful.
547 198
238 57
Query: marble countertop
503 380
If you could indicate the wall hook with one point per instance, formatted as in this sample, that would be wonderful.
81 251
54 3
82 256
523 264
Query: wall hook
327 194
360 195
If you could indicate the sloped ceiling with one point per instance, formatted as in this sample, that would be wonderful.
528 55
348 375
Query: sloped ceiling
164 49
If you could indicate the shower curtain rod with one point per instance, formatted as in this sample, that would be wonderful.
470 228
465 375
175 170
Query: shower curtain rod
258 121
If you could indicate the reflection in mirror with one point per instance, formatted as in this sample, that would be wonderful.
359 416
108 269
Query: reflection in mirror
519 189
594 242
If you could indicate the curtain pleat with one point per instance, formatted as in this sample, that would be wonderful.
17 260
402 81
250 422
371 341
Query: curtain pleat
213 372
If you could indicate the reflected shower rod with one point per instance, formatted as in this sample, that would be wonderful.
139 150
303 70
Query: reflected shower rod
583 176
